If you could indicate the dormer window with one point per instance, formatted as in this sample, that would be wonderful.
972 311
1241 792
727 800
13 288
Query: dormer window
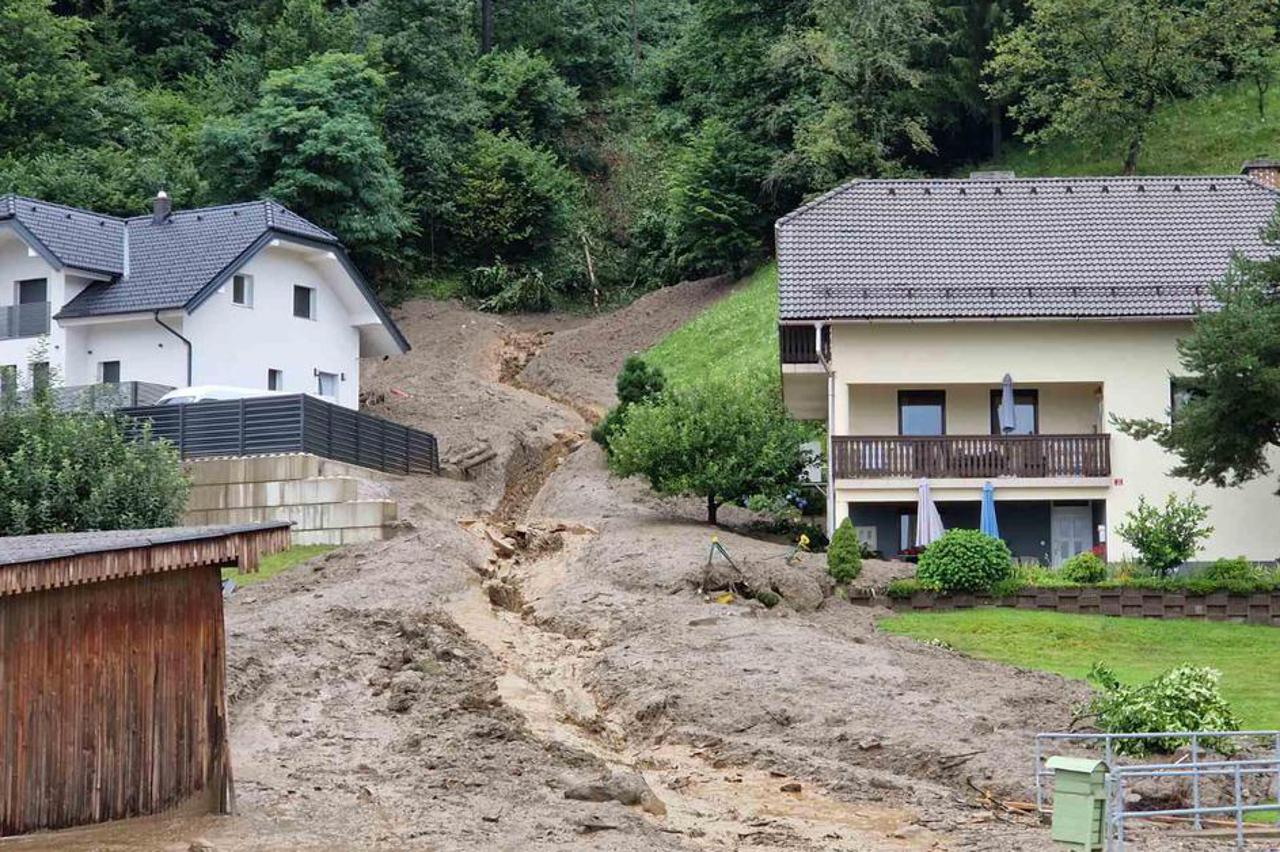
242 290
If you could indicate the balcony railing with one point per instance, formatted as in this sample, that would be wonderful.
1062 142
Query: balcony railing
798 344
30 320
971 456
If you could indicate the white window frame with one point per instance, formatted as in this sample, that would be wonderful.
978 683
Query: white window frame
102 371
337 384
311 306
248 290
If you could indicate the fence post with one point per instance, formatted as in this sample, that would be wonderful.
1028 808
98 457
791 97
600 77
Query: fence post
240 430
1195 779
1039 784
1239 810
302 424
182 432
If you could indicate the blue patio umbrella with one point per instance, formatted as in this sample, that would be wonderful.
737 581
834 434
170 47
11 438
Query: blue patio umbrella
988 523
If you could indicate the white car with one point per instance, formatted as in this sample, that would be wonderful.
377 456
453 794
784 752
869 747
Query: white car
213 393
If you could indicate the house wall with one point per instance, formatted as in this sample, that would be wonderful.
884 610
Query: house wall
146 352
235 345
1066 409
17 263
1130 361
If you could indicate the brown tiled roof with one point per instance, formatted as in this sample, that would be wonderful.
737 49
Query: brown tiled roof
1038 247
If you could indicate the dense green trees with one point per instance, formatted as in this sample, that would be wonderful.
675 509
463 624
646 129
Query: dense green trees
572 149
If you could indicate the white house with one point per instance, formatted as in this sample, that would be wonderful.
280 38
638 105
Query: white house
905 303
250 295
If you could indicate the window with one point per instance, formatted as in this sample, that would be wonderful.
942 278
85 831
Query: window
327 384
906 531
109 372
922 412
1026 412
275 379
40 375
304 302
242 290
1181 391
32 291
8 379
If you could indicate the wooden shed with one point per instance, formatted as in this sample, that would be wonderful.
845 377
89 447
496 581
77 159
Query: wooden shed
113 671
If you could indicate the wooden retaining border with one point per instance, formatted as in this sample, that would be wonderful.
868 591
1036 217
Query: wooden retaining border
1257 608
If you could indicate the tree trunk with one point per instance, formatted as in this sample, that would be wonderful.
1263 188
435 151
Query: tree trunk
486 26
996 118
713 506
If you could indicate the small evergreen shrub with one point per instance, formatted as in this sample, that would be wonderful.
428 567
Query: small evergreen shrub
1084 568
1231 570
1186 698
844 554
637 383
964 561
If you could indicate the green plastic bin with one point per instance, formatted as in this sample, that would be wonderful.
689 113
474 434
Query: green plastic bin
1079 801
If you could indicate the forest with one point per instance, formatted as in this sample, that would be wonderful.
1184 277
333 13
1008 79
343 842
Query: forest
529 154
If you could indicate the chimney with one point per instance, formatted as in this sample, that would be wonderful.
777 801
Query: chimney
160 208
1263 171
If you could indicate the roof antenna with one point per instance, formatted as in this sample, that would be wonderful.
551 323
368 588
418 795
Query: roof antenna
160 208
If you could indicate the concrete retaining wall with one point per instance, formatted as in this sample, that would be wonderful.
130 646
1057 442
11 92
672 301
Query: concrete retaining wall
1261 608
328 502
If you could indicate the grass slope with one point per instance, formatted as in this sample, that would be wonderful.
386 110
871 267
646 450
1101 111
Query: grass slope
1211 134
1247 655
276 563
736 336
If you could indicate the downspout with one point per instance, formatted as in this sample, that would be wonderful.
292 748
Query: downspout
831 415
185 342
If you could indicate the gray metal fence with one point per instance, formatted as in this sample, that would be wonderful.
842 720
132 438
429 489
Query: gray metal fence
296 423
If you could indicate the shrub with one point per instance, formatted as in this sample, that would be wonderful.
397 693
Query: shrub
1186 698
75 471
637 382
1084 568
904 588
844 554
964 561
1166 538
1228 570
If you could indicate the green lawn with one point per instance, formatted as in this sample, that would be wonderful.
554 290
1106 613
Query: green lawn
1211 134
1248 656
737 335
277 562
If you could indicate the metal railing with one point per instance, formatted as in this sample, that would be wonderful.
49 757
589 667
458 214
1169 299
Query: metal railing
29 320
1196 741
294 423
1118 810
970 456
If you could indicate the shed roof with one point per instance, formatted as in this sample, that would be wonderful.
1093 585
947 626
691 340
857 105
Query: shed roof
36 562
1038 247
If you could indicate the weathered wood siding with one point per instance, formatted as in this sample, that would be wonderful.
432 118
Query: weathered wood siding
112 696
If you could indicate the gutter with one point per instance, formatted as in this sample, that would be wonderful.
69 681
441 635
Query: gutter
185 341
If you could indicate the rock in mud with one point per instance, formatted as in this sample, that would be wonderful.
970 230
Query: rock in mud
504 595
629 788
405 687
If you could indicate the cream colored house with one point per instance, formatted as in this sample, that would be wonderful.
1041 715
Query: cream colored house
903 304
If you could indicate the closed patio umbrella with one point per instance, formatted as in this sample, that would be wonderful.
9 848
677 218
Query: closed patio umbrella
1008 418
928 522
988 523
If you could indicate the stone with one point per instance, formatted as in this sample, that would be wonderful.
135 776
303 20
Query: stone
791 787
628 788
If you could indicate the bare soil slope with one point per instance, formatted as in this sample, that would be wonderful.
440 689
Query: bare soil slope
534 666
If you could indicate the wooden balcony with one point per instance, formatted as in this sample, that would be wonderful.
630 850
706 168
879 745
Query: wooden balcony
797 344
971 456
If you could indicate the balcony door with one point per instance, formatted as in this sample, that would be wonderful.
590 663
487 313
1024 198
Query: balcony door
922 412
1026 412
32 312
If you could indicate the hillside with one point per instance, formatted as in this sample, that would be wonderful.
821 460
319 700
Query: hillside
1211 134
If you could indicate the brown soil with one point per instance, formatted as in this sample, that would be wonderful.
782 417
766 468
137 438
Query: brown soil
540 626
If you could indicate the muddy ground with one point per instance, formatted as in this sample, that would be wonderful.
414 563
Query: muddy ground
538 661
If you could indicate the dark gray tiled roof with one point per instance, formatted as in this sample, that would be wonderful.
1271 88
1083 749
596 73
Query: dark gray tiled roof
79 238
37 548
1039 247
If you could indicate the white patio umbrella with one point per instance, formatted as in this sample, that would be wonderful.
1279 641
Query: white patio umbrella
928 522
1008 417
